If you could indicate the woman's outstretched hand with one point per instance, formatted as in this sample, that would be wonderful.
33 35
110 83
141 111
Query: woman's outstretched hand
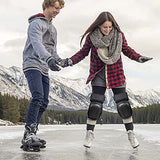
144 59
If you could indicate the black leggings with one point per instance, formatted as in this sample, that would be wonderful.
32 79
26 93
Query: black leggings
102 90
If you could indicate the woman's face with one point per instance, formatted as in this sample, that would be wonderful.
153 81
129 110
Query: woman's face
106 27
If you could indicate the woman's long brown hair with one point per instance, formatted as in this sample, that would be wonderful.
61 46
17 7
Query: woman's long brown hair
104 16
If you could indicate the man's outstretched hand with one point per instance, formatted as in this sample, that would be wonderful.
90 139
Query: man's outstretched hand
53 65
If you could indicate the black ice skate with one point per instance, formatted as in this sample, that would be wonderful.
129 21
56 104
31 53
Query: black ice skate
41 140
30 142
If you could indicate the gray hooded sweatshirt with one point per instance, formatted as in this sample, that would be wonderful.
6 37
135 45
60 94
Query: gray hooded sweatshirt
41 44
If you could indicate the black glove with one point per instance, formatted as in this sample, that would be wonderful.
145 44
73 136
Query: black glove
144 59
52 64
65 62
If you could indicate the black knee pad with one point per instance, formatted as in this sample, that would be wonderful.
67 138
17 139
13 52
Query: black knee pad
95 110
124 109
123 106
96 105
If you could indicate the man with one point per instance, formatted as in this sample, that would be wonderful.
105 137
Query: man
39 55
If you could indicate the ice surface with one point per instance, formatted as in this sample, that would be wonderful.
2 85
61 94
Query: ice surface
150 132
65 142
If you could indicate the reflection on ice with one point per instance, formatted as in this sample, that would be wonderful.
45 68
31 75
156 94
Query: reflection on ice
134 155
31 156
89 155
111 153
66 142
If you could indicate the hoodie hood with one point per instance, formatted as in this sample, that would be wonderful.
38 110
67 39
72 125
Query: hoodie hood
36 16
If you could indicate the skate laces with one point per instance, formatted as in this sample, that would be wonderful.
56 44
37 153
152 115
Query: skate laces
131 135
90 135
132 139
32 137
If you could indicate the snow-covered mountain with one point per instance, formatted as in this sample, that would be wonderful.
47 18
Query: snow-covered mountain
137 98
77 84
62 97
68 94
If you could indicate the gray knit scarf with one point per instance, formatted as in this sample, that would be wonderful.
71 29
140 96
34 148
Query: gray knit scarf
109 47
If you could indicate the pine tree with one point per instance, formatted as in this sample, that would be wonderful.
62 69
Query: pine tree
23 107
10 108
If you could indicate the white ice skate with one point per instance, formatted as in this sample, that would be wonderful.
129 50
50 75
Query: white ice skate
133 140
88 139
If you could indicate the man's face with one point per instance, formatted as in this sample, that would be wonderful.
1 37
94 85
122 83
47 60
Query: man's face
53 10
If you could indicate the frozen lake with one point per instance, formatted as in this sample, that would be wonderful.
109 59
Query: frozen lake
65 142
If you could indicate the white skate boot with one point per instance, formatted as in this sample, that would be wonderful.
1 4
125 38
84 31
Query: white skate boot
88 139
133 140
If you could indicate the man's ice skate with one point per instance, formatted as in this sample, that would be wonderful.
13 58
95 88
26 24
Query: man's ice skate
43 143
88 139
30 142
133 140
41 140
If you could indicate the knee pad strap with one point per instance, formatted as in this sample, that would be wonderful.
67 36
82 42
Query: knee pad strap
121 96
97 98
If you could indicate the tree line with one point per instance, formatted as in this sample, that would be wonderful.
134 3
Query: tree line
12 108
15 110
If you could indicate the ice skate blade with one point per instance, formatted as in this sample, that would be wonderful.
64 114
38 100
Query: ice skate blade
86 146
34 147
38 146
136 148
42 146
31 149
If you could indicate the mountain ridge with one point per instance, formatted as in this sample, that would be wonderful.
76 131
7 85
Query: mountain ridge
69 94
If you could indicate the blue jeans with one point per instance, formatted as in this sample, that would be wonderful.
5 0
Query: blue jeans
39 88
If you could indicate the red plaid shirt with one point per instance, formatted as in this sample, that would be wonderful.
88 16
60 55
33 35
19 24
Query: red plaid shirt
115 72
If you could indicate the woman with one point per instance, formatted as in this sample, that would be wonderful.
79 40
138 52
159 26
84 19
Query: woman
106 42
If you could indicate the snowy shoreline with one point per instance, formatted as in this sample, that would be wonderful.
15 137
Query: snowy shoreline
6 123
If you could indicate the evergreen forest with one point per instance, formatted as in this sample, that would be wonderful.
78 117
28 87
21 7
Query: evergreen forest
15 110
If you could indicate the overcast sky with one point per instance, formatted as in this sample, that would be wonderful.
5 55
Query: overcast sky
138 19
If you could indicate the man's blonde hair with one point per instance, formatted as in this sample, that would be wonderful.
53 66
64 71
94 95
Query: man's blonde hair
48 3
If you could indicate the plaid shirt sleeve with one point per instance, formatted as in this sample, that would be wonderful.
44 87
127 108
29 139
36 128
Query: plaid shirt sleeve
128 51
80 55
